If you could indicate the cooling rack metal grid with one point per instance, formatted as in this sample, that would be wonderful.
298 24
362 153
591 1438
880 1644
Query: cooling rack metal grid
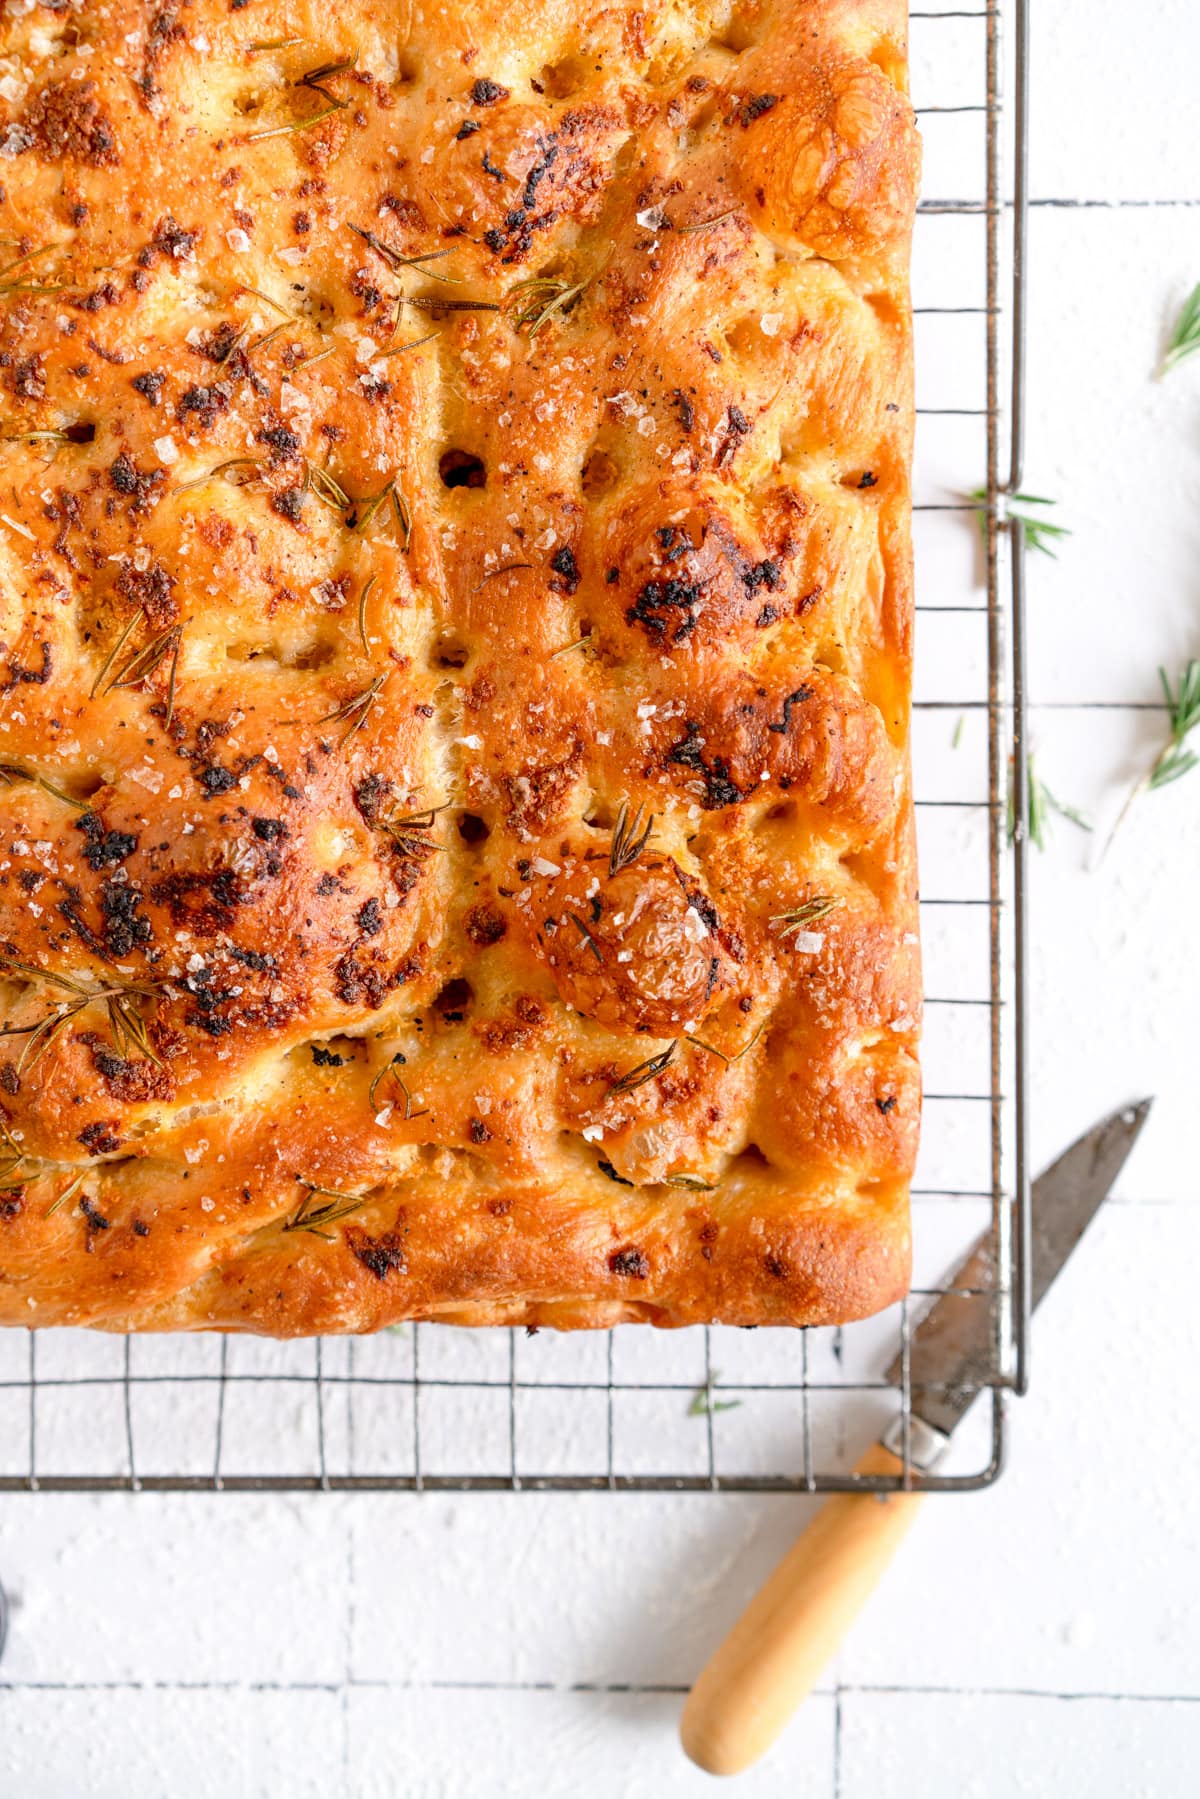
722 1410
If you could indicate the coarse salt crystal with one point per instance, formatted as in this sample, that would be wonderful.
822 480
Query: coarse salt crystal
593 1133
808 942
652 218
694 927
237 240
165 449
470 743
770 323
292 255
381 1118
540 866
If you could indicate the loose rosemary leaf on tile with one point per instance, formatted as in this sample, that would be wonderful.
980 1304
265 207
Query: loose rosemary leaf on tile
1184 340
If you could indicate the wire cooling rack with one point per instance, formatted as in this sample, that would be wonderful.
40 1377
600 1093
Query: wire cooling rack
722 1409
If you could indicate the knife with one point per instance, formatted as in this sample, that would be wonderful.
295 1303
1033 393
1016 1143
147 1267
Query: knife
771 1659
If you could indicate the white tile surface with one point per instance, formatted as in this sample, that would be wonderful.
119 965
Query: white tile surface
556 1745
171 1743
1014 1746
429 1645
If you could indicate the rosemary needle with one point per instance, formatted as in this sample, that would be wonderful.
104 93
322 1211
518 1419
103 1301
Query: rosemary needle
645 1071
703 1403
363 597
1185 338
17 771
1040 806
115 652
800 917
1040 533
310 1217
629 838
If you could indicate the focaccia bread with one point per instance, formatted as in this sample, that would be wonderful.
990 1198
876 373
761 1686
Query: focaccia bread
456 848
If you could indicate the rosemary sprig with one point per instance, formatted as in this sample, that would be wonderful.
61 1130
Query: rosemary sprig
273 43
365 509
358 514
397 1061
704 1405
315 78
405 831
535 302
1175 759
800 917
693 1182
356 709
143 664
629 838
1185 338
1040 806
127 1027
26 256
1040 533
321 483
22 286
396 261
311 1218
645 1071
16 771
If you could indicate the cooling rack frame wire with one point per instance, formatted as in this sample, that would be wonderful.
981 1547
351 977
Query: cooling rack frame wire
506 1387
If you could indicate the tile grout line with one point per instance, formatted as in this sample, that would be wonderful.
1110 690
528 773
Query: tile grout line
599 1689
837 1740
351 1598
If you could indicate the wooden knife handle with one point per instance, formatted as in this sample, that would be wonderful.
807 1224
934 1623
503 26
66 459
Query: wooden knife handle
771 1659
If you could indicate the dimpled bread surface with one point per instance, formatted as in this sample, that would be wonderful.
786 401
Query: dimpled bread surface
456 841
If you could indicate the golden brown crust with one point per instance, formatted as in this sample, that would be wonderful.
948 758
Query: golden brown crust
361 607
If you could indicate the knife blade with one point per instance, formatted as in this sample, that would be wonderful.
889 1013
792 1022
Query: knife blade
953 1346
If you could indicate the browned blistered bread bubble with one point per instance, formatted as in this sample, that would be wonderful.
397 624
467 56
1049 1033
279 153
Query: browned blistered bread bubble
456 846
